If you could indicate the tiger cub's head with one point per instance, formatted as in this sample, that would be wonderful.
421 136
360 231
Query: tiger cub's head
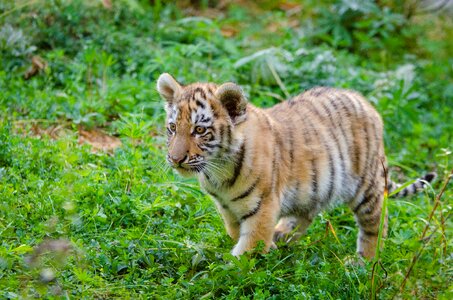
201 118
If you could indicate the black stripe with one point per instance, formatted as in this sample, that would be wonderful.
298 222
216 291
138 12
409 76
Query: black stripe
370 233
274 168
372 183
412 189
339 116
336 140
429 177
278 141
374 153
209 145
297 189
277 157
318 91
354 145
291 145
211 89
354 102
290 204
268 123
366 198
200 104
314 174
369 155
229 135
371 220
252 212
331 164
238 165
343 109
217 197
332 177
205 119
352 153
222 133
205 134
206 175
367 168
314 178
212 193
225 135
404 192
202 118
247 191
201 91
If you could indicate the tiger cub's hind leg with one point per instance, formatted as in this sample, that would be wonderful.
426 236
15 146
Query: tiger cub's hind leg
287 225
367 210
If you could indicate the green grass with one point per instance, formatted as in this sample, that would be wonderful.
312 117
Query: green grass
79 224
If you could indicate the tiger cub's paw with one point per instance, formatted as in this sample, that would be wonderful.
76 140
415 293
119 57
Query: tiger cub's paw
273 246
280 236
284 230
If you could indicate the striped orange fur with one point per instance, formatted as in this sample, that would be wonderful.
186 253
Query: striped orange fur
271 171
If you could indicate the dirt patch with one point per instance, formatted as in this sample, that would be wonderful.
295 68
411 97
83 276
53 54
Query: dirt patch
99 140
96 138
40 128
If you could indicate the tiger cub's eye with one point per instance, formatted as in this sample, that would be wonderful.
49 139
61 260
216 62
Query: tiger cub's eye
172 127
200 129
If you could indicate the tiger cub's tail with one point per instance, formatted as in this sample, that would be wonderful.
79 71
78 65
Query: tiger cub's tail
412 188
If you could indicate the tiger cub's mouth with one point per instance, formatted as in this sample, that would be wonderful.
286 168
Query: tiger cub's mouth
186 168
195 167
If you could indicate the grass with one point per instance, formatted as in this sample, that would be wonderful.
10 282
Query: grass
81 224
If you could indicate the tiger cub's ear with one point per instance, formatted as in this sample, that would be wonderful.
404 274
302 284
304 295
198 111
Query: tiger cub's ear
168 87
234 101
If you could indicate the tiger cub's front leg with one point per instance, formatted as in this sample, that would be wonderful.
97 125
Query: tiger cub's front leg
229 220
258 225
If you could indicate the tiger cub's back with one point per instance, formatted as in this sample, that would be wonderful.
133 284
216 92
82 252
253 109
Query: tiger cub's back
336 136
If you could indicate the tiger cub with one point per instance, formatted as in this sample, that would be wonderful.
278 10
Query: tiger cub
271 171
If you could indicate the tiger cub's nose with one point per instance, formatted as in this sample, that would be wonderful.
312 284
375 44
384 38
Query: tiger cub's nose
178 159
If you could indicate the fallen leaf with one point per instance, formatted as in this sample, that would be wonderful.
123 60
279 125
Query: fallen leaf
228 31
37 64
